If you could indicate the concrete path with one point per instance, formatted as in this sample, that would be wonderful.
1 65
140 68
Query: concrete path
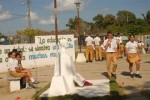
90 71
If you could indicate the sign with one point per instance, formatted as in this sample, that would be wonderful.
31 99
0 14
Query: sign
41 53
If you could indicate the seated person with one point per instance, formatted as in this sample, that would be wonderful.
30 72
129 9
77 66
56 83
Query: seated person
13 70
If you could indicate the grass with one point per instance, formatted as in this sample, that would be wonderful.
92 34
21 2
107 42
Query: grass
116 93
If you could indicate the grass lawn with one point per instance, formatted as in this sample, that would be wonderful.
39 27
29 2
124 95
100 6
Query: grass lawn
116 93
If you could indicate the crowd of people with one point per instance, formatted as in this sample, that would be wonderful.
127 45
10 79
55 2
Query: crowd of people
16 69
112 49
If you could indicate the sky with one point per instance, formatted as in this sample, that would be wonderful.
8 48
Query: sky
13 12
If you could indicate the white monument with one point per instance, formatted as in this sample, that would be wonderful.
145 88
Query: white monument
64 73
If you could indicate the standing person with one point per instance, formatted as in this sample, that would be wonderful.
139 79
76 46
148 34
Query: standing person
111 54
133 56
97 43
120 45
89 49
141 47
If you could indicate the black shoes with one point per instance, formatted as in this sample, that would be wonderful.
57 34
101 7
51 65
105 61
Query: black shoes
114 75
138 76
132 75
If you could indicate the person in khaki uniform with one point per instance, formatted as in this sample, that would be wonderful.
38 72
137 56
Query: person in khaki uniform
103 53
89 49
133 56
111 54
97 42
120 45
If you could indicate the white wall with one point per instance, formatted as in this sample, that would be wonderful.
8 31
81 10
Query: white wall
40 54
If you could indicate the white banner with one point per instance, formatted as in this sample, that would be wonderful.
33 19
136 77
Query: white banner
40 54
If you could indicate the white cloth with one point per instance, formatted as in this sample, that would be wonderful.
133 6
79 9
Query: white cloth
119 39
12 63
89 40
141 44
112 47
97 40
132 47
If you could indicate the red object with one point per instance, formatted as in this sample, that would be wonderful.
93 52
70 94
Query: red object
86 83
18 98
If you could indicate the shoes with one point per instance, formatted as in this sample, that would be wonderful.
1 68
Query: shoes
132 75
86 83
35 82
114 75
30 86
90 61
138 76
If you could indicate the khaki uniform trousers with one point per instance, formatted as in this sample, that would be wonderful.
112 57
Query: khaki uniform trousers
89 51
98 53
103 53
111 57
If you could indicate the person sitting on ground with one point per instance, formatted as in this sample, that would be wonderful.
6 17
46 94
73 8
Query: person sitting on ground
14 72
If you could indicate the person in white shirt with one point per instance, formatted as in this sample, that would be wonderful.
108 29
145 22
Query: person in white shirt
133 56
89 48
120 45
111 49
141 47
97 43
15 71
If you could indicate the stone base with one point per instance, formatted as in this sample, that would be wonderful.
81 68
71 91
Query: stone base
80 58
58 86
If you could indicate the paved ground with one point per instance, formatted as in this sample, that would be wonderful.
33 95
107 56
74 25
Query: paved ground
90 71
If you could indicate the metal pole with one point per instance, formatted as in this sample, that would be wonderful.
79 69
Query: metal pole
29 19
79 28
56 26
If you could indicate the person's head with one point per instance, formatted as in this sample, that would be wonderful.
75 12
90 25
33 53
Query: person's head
132 37
14 50
10 55
13 55
118 34
109 35
97 35
21 53
18 56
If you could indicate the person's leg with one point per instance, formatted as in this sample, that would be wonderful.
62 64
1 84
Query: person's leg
114 60
29 74
138 69
131 70
108 63
87 53
91 53
96 52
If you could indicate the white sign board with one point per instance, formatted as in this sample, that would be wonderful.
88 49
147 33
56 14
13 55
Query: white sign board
40 54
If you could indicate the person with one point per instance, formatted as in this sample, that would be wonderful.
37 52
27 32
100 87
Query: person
133 56
111 54
120 45
25 70
89 49
141 47
103 53
14 71
97 43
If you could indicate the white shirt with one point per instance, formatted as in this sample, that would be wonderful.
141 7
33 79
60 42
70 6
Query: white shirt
12 63
97 40
89 40
132 47
112 47
102 46
141 44
119 39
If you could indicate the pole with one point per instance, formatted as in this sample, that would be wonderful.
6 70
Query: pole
57 64
29 19
56 26
79 28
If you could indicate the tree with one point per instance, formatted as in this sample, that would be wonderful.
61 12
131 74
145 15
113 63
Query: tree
72 23
98 20
109 19
30 33
147 17
126 17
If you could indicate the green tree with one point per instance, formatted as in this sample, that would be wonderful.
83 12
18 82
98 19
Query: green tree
98 20
72 23
109 19
30 33
126 17
147 17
